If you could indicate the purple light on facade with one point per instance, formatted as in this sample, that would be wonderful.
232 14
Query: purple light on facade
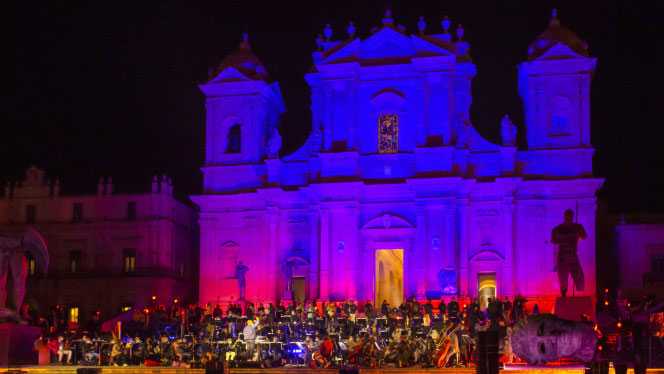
464 211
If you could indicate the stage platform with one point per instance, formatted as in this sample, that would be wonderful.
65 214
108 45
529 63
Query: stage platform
59 369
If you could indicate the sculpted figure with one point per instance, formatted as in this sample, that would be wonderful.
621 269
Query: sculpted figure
566 236
241 276
274 144
545 337
507 131
13 248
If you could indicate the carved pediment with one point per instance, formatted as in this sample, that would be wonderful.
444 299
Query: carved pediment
387 221
487 255
386 43
229 244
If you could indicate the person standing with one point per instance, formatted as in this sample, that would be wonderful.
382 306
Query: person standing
249 333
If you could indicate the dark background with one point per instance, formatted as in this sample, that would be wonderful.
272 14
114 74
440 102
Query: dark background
110 88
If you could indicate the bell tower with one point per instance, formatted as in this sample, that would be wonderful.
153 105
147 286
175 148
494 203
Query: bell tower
555 86
243 107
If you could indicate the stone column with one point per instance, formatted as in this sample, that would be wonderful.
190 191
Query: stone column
516 244
584 103
450 257
587 213
328 118
463 209
508 230
541 113
314 252
352 116
353 252
324 287
272 261
427 116
421 251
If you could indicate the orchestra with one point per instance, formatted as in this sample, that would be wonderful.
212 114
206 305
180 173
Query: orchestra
317 335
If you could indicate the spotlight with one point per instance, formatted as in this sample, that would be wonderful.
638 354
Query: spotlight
154 298
619 324
606 303
175 301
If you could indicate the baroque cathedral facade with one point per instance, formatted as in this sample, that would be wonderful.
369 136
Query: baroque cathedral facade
394 194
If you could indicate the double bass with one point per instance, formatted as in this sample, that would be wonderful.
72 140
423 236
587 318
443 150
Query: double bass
443 347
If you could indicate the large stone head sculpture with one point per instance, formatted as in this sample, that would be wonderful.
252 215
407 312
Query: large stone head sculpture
544 338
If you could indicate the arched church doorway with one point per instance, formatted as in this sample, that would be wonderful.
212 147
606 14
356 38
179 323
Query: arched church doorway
296 268
389 276
486 286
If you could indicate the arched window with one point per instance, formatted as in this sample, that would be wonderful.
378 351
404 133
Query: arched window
234 139
388 133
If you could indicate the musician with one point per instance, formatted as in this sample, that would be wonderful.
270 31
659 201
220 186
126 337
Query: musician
369 310
474 315
249 310
384 308
453 311
217 313
507 347
518 311
64 349
494 311
426 321
323 359
116 352
89 349
330 312
311 312
249 334
428 308
279 311
137 351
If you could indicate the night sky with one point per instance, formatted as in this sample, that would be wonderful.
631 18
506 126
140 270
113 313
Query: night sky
110 87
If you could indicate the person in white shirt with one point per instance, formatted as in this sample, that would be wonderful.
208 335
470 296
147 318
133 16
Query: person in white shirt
249 333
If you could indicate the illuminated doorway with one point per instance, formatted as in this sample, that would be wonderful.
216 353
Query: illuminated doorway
486 285
389 276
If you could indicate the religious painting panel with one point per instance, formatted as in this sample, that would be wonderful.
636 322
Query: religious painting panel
388 133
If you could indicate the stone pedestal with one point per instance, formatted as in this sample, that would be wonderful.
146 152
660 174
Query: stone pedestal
571 308
17 344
